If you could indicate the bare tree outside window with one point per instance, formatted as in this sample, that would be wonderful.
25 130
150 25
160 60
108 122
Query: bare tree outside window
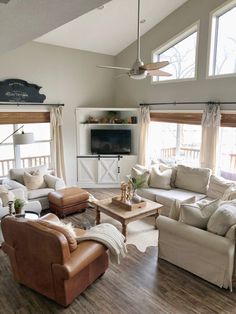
182 58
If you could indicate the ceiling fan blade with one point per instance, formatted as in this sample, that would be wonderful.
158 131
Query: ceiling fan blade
114 68
154 65
158 73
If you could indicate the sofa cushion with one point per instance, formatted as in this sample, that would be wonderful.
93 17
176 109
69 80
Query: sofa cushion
159 179
33 180
17 174
192 179
32 194
6 195
65 229
198 214
141 172
218 186
223 218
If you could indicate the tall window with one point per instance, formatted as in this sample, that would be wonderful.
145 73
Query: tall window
223 41
37 153
177 143
181 52
227 157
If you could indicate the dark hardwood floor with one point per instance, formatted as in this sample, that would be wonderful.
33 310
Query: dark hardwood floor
140 284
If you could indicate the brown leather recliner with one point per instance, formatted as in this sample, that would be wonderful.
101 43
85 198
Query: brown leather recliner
41 259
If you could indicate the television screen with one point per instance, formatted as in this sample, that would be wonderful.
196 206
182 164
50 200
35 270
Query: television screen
105 141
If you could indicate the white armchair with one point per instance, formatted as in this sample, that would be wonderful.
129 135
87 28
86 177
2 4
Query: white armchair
51 183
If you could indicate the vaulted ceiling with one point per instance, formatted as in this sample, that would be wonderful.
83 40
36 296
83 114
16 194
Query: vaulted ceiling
22 21
111 29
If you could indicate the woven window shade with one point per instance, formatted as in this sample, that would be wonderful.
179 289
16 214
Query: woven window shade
179 117
24 117
228 120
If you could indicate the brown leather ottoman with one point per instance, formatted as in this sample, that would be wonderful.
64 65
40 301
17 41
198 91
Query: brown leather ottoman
68 200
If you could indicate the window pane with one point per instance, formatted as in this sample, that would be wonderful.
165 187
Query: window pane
41 131
6 159
35 154
172 142
226 44
182 58
6 130
228 151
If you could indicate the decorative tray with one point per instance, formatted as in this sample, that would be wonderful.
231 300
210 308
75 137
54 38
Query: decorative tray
128 205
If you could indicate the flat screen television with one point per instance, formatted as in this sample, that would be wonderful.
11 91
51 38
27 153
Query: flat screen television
107 141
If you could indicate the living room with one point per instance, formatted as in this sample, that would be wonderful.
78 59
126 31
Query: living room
60 54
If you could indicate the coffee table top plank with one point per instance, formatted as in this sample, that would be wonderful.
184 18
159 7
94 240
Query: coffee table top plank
115 211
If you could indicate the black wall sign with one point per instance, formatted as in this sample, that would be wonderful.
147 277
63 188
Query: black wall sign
15 90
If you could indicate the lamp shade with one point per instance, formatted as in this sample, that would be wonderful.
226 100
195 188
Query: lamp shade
23 138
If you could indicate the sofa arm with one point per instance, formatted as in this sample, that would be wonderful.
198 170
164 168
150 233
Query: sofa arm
192 234
84 255
12 184
19 193
54 182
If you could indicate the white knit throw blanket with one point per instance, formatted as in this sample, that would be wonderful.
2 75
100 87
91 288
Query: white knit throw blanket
108 235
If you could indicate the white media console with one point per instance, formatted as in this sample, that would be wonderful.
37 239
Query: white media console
104 170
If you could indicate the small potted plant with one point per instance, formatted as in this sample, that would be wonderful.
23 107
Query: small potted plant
137 183
18 204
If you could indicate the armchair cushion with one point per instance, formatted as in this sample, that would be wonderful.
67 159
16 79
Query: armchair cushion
34 180
32 194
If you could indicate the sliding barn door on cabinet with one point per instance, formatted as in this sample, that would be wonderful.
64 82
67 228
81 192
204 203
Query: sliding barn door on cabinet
87 170
108 170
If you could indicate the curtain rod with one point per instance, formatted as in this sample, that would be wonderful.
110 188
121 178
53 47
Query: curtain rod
28 104
190 103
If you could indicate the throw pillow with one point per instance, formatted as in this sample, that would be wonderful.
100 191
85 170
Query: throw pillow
142 173
33 180
198 214
192 179
163 167
218 186
66 229
223 218
6 196
160 180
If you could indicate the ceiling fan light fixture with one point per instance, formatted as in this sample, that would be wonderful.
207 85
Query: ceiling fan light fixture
138 76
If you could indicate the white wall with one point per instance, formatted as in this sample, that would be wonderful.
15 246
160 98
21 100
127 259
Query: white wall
67 76
129 92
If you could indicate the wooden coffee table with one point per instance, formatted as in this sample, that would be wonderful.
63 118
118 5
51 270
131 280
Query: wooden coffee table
124 216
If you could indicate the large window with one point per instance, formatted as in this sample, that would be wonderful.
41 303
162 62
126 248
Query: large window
28 155
223 41
227 153
181 52
175 143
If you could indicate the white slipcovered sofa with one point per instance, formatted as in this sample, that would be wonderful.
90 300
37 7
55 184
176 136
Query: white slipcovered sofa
50 183
180 184
199 233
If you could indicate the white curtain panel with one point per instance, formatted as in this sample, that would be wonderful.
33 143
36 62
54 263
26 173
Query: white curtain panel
144 130
210 137
58 162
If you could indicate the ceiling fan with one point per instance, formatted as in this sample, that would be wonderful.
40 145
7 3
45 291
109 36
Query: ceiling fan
139 70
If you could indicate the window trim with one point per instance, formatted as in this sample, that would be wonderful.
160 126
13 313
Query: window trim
195 27
212 39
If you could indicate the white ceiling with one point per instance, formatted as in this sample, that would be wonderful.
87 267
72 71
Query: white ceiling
22 21
112 29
